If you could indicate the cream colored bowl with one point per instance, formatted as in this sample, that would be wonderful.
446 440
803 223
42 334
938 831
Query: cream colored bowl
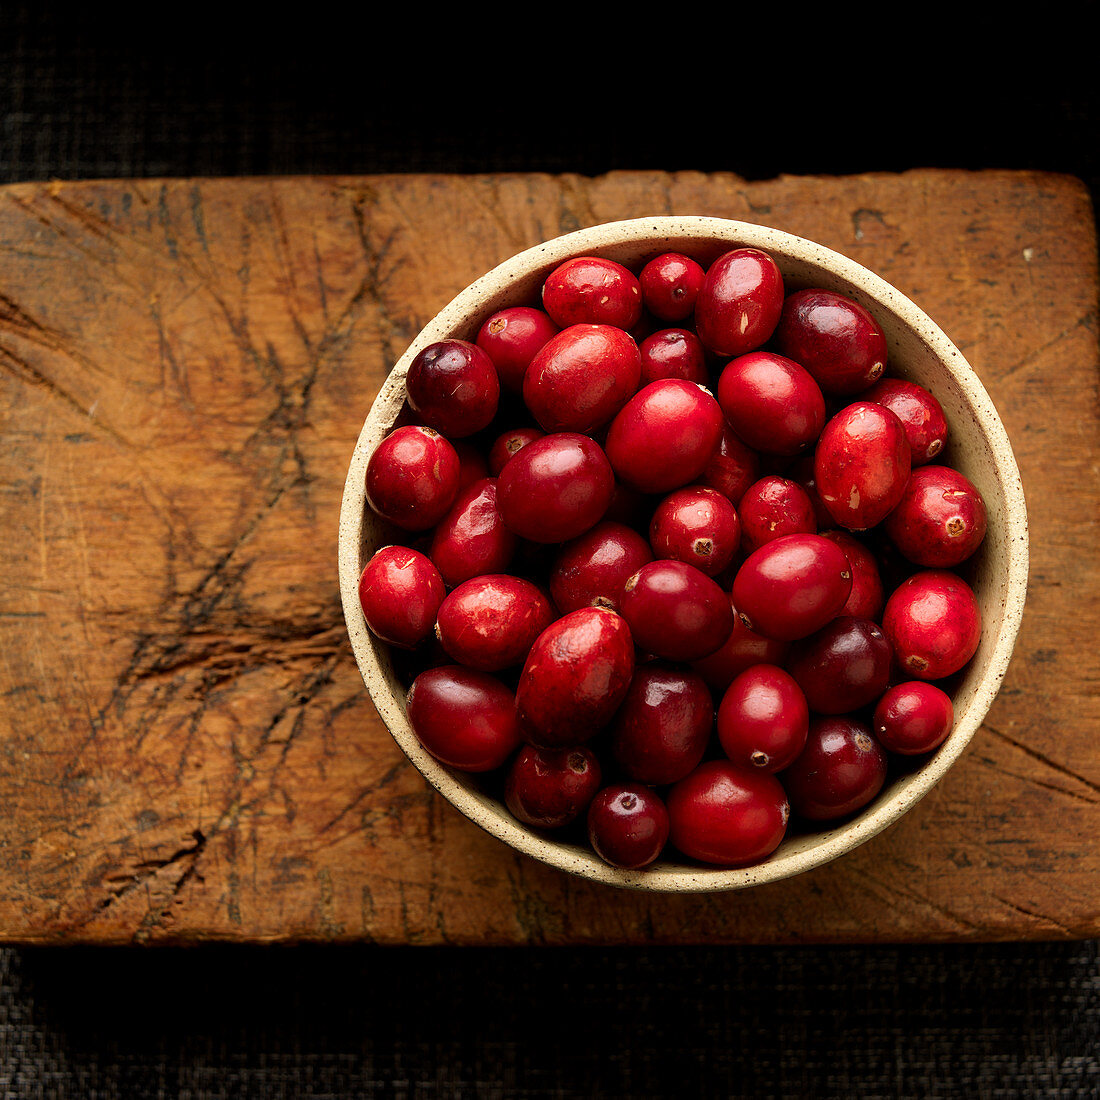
978 446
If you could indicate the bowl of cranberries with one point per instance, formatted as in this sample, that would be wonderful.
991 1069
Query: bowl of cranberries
682 553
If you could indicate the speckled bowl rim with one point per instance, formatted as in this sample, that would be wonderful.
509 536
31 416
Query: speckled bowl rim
831 842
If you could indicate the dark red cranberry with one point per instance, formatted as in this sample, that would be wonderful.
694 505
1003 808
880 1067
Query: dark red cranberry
772 507
741 650
841 769
594 291
920 413
627 826
507 443
629 506
867 597
549 788
453 387
673 353
843 667
913 718
511 337
739 302
471 539
940 520
400 592
670 285
472 465
412 477
934 623
592 570
801 471
732 468
696 525
763 719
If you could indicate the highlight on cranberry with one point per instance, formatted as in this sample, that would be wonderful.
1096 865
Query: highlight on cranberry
674 559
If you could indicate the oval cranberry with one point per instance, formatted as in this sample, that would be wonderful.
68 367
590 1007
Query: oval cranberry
696 525
740 302
463 717
673 353
549 788
453 387
627 826
592 290
471 539
511 337
841 769
726 815
592 570
913 718
844 666
940 520
772 507
867 597
732 468
763 719
400 592
920 413
670 285
412 477
741 650
934 623
507 444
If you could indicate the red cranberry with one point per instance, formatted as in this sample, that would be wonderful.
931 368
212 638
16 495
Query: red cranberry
629 506
549 788
844 666
400 592
763 719
696 525
867 597
507 443
472 465
511 337
920 413
670 285
741 650
934 623
861 465
772 507
412 477
801 471
453 387
676 612
841 769
732 468
739 302
772 403
726 815
592 570
940 520
582 377
471 539
627 826
914 718
834 338
673 353
576 675
664 436
463 717
592 290
661 731
555 488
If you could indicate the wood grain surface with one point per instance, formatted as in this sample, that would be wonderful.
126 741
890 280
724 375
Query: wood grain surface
186 748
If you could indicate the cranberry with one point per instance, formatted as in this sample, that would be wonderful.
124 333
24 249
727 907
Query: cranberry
940 520
801 471
934 623
792 586
629 506
507 443
661 731
491 622
861 465
834 338
772 403
549 788
726 815
472 465
400 592
627 826
592 570
582 377
739 302
511 337
664 436
913 718
741 650
453 387
763 719
844 666
471 539
696 525
555 488
772 507
575 677
675 611
463 717
732 468
841 769
592 290
670 285
867 597
412 477
673 353
920 413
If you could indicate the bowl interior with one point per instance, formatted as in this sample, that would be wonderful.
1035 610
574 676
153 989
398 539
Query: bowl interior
978 446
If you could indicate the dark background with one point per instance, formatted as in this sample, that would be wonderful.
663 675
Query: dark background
93 93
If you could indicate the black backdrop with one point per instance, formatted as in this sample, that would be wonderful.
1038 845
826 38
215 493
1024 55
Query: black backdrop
94 93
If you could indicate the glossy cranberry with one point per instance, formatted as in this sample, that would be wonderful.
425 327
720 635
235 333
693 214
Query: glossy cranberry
772 507
400 592
844 666
676 612
555 488
741 650
940 520
664 436
834 338
453 387
575 677
549 788
594 291
472 465
592 570
627 826
491 622
934 623
867 597
920 413
772 403
913 718
511 337
673 353
412 478
732 468
463 717
696 525
471 539
763 719
726 815
792 586
660 732
670 285
739 302
507 444
861 465
582 377
841 769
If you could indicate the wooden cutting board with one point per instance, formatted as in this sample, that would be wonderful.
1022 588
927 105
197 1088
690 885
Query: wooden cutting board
186 749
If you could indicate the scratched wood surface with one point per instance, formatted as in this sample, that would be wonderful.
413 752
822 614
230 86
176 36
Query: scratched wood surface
186 749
